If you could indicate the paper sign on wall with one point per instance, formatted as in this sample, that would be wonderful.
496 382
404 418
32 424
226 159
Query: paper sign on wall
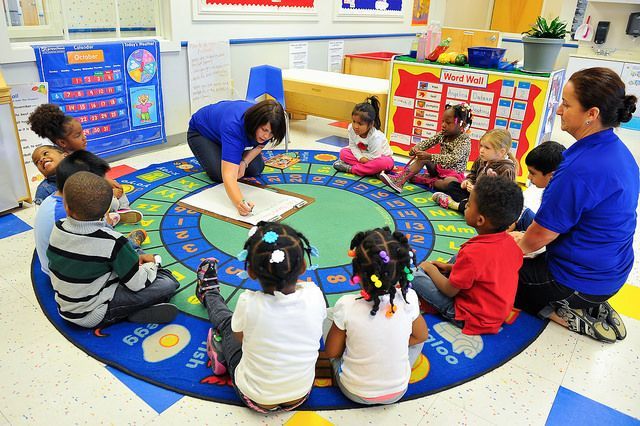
209 73
336 55
26 98
298 55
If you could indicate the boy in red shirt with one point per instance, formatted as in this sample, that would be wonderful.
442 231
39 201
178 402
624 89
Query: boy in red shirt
476 293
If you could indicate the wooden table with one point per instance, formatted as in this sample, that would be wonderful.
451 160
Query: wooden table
329 94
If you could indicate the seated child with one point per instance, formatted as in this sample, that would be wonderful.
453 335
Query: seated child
541 162
368 152
97 275
270 343
52 209
477 292
50 122
377 336
447 166
46 159
495 158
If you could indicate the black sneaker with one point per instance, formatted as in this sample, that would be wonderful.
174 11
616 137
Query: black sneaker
207 278
341 166
156 314
606 313
581 322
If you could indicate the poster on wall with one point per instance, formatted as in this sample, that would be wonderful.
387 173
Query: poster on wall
249 9
114 89
420 14
209 72
522 105
368 9
26 98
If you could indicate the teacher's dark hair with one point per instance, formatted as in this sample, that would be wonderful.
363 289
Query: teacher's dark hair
268 111
604 89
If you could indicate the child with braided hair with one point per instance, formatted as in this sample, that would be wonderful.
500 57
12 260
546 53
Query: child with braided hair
269 345
376 336
447 166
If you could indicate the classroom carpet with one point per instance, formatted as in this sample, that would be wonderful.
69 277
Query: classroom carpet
174 357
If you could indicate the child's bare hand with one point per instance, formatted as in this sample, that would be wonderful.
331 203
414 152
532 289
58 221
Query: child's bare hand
423 155
443 267
117 192
469 187
364 160
146 258
412 151
428 267
464 184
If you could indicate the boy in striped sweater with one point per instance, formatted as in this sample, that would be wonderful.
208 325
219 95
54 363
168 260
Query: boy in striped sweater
97 275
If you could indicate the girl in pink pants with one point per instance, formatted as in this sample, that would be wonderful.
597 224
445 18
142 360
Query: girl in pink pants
368 152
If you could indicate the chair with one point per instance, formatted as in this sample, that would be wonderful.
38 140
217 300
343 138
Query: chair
267 80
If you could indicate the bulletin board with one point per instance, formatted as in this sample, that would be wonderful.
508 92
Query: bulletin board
367 9
214 10
113 88
523 104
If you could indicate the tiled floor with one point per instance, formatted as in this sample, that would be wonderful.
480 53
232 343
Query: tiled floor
44 379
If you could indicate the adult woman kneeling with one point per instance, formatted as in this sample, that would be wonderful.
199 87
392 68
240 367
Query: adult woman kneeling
228 137
588 214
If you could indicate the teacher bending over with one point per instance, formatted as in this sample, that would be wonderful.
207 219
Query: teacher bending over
228 137
588 214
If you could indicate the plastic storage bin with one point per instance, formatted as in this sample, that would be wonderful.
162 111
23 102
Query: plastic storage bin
485 57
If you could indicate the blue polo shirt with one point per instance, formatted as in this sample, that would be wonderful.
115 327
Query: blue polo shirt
223 123
591 202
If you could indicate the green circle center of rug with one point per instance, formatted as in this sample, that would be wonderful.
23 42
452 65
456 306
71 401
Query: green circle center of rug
329 222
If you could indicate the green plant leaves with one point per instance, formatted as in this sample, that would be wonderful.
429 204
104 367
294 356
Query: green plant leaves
544 29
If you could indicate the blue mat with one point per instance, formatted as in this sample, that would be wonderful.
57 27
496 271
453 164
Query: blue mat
11 224
174 356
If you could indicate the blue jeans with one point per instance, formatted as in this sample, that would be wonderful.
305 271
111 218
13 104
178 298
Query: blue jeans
423 285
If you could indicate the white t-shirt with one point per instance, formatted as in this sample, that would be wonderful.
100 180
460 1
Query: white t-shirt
375 145
375 361
281 338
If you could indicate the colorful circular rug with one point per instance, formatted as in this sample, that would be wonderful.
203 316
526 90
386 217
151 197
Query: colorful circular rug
174 356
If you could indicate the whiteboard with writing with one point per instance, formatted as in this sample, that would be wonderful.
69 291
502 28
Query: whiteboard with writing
269 205
209 72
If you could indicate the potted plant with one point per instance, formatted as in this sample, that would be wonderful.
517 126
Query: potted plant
542 44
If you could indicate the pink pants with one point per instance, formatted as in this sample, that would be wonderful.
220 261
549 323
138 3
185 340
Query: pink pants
370 168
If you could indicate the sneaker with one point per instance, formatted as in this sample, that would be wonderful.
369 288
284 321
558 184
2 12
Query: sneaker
390 182
137 237
207 278
130 216
583 323
442 199
341 166
214 350
160 313
610 316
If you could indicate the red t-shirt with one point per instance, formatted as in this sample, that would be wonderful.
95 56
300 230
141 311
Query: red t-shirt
486 272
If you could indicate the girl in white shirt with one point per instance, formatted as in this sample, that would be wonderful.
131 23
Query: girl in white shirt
376 336
269 345
368 152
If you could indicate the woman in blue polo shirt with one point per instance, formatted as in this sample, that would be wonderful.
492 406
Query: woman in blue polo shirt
588 214
227 139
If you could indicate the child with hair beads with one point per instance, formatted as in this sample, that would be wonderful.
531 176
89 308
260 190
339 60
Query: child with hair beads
99 278
368 152
495 159
450 164
477 292
50 122
376 336
269 345
46 159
